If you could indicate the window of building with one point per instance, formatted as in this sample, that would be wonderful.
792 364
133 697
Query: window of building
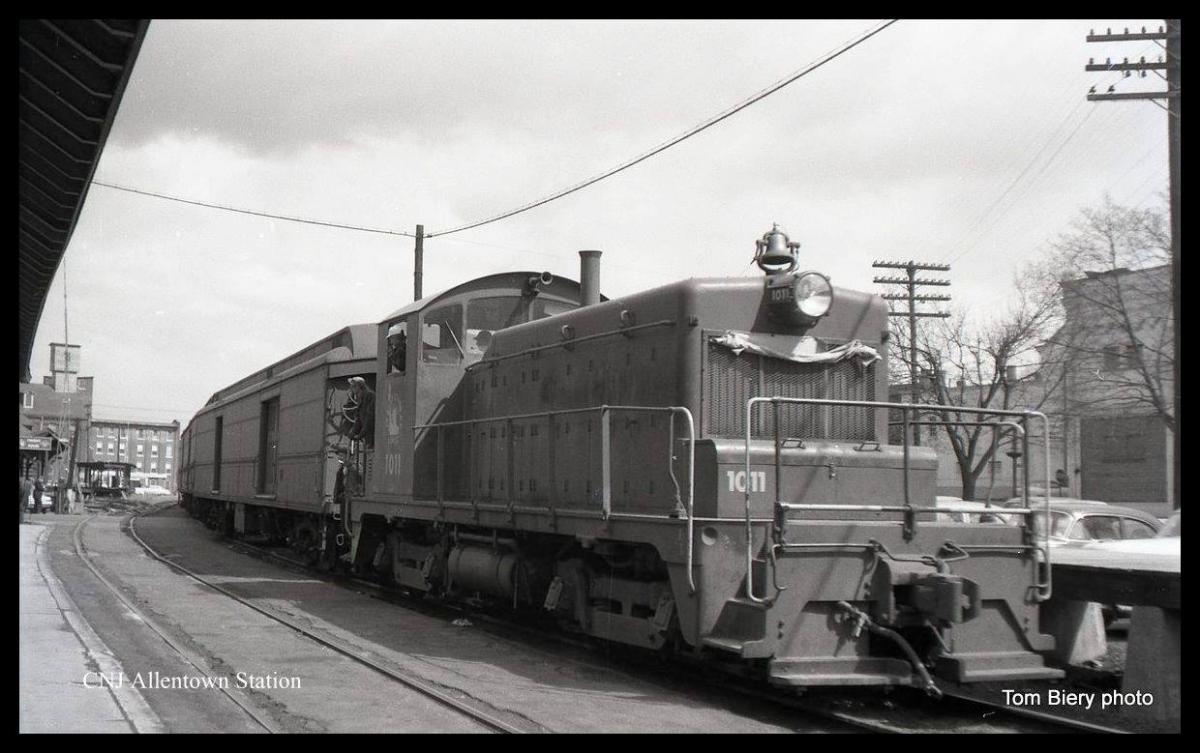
154 450
99 446
139 465
167 467
111 447
154 467
168 450
27 397
141 450
1112 357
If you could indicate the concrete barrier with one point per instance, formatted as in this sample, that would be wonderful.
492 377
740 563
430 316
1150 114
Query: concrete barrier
1153 663
1078 630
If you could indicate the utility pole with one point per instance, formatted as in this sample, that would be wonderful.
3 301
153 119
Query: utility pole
911 283
418 262
1172 34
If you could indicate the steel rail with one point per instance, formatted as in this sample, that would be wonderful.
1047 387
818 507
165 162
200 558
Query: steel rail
1041 716
841 717
200 666
421 686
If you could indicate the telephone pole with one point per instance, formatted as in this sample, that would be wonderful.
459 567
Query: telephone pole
911 282
1172 35
418 262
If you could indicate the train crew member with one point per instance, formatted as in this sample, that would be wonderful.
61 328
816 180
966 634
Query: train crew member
397 345
364 420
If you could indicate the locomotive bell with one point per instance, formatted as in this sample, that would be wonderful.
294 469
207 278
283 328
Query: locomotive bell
774 252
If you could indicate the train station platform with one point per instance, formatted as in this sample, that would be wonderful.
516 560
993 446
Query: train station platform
61 658
1144 574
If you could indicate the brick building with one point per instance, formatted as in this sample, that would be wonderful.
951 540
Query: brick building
149 447
44 409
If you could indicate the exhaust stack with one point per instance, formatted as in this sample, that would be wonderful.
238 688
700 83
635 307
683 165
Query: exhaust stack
589 276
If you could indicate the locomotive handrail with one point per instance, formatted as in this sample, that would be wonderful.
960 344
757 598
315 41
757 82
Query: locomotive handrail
994 424
1043 587
605 460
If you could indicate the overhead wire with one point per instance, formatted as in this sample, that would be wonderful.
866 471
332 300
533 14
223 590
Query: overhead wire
238 210
986 228
712 121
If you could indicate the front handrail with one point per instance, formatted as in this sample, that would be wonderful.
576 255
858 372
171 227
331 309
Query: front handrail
605 412
1043 587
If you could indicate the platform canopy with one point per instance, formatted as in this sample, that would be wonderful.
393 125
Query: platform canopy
71 77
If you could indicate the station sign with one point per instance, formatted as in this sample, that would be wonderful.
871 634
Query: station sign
37 443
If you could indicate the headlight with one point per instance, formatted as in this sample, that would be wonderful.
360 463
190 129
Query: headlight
798 299
813 294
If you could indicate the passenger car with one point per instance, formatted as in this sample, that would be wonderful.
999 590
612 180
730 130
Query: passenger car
1077 520
1171 527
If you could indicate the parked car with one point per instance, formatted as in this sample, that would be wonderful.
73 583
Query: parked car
988 513
1171 528
153 489
1078 522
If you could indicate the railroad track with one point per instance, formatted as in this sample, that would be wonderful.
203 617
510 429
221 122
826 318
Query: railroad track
477 712
896 714
239 699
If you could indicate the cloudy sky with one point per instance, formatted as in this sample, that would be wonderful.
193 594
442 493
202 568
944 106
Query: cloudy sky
961 141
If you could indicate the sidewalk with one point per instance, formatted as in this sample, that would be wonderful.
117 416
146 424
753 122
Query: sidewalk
60 652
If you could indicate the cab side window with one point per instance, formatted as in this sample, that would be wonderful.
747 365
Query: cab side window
397 347
441 335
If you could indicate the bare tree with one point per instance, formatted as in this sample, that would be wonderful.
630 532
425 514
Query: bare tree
1115 337
965 364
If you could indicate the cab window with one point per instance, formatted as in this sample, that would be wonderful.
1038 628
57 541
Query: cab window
543 308
486 315
397 347
441 335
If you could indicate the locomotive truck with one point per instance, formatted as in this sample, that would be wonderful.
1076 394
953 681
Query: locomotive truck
701 467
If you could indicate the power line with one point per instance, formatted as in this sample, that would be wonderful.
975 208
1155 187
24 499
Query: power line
692 132
251 212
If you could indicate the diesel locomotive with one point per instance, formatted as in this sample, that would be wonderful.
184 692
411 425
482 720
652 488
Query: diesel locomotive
703 467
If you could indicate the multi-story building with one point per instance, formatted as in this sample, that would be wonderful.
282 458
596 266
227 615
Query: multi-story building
1105 381
47 411
149 447
1114 359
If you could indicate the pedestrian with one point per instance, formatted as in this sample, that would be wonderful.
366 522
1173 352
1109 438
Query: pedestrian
1063 482
26 490
38 488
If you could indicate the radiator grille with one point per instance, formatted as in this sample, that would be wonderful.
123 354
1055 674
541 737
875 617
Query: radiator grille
730 380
